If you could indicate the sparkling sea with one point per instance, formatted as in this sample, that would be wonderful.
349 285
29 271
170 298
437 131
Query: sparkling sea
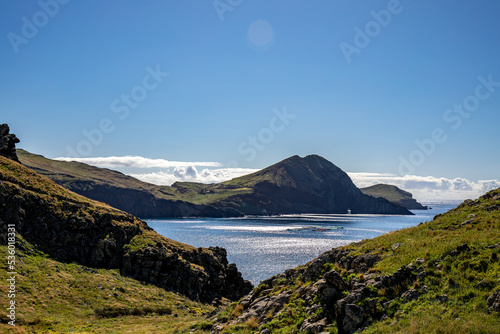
264 246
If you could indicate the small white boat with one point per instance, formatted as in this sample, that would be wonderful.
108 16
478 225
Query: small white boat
348 211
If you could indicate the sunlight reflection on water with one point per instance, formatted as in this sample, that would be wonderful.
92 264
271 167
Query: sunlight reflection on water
264 246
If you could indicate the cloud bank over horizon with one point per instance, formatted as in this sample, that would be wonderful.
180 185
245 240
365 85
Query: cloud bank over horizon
165 172
428 188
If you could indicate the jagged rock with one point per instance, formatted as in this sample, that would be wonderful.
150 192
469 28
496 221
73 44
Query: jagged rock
494 301
326 292
364 262
8 143
410 295
459 249
493 207
467 222
419 261
262 306
350 317
334 278
396 246
313 327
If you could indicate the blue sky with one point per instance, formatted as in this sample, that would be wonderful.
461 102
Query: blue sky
229 80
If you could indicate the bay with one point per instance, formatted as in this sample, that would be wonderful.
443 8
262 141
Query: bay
264 246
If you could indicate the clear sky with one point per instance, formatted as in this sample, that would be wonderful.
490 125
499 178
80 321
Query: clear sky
252 82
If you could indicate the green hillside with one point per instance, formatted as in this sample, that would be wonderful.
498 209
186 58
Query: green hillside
67 172
56 297
124 192
439 277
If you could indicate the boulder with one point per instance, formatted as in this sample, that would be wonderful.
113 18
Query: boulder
8 143
494 301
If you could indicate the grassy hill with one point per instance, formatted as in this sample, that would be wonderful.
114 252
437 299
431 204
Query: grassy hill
439 277
124 192
394 195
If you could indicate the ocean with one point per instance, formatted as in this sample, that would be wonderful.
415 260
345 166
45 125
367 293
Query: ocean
264 246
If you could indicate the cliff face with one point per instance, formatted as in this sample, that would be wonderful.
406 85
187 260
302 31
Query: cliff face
72 228
394 195
424 277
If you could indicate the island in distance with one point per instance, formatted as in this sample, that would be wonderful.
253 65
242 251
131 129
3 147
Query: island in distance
295 185
394 195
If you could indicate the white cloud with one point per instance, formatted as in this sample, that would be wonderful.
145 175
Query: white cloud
429 188
191 174
137 162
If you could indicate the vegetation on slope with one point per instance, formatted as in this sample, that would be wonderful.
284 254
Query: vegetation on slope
56 297
438 277
70 173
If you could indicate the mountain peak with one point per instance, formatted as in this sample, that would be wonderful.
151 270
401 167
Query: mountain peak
308 185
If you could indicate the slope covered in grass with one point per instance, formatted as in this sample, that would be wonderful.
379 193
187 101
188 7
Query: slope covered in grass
56 297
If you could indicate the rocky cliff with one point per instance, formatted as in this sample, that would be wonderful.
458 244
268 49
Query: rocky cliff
441 276
72 228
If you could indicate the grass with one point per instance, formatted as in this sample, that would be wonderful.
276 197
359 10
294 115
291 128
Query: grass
55 297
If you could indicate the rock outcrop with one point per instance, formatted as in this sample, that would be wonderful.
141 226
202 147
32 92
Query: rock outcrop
72 228
8 143
331 298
